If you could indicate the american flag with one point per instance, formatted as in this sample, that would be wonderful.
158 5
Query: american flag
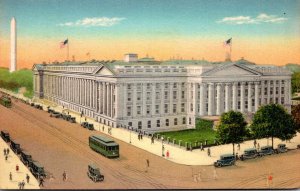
227 42
63 44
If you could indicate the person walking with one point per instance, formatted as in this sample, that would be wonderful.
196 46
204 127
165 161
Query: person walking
20 185
17 168
4 152
27 178
208 151
148 163
6 157
7 151
41 180
239 147
64 176
254 143
258 146
201 147
139 136
152 139
23 184
10 176
168 154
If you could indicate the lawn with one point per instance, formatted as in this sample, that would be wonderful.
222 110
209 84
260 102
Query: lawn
202 132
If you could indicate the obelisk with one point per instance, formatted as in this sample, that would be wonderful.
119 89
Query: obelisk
13 45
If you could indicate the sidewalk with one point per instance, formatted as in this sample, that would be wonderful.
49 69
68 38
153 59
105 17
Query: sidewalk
177 155
10 166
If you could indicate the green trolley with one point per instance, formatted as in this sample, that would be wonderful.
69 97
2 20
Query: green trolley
5 101
104 145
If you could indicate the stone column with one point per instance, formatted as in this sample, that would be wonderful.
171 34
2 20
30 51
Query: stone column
227 97
274 91
111 100
195 100
218 112
134 99
262 92
153 93
234 96
107 99
242 100
117 86
268 93
286 92
144 99
103 84
211 98
279 92
256 96
249 96
202 99
178 98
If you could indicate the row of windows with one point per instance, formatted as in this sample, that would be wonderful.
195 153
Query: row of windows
157 109
159 122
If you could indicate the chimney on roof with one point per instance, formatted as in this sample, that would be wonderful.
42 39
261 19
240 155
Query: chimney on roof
130 57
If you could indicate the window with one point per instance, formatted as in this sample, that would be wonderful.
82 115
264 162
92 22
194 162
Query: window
192 107
182 94
157 85
129 96
192 94
129 86
167 122
175 121
138 110
246 104
157 109
277 90
199 107
139 96
239 92
239 105
149 124
282 90
148 96
282 100
139 125
166 95
148 86
182 85
198 95
174 94
148 109
157 96
166 108
266 91
182 107
174 108
130 124
166 85
271 90
183 120
190 120
157 123
129 111
253 102
175 85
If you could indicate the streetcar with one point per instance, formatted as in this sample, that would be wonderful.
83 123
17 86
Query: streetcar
104 145
5 101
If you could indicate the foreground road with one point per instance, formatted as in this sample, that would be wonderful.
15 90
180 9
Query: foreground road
59 146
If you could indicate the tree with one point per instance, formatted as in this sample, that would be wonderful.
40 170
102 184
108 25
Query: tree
232 128
273 121
296 115
296 82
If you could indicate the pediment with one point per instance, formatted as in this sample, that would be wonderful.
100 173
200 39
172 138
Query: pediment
231 70
103 71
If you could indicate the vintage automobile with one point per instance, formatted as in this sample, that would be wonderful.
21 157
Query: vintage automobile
37 170
26 158
94 173
50 110
15 147
66 116
90 126
84 124
38 106
225 160
281 148
55 114
249 154
72 119
5 136
266 150
32 104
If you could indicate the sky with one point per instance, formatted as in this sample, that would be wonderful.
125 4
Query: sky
262 31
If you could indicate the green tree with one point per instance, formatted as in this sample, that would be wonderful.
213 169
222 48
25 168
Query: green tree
232 128
273 121
296 115
296 82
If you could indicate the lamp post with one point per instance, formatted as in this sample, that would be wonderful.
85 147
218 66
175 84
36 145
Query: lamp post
162 147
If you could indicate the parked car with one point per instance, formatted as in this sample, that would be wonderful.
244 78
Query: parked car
26 158
37 170
94 173
38 106
266 150
281 148
5 136
225 160
249 154
84 124
90 126
66 116
16 147
72 119
50 110
55 114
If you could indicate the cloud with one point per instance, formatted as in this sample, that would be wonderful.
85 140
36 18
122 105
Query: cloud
261 18
95 21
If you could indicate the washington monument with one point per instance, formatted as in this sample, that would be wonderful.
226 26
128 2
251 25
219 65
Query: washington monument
13 45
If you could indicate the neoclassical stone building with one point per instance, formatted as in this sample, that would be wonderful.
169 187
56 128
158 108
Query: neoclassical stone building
160 95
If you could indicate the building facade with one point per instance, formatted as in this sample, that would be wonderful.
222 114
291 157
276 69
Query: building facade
158 96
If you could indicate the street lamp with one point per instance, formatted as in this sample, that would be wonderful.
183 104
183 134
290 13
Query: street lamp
162 147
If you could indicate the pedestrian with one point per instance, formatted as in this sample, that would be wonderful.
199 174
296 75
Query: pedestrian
6 157
201 147
41 181
208 151
168 154
27 178
64 176
258 146
269 180
239 147
236 156
10 176
20 185
23 184
4 152
139 136
17 168
148 163
152 139
254 143
7 151
163 150
103 128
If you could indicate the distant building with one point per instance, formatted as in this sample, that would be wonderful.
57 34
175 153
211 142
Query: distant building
154 95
